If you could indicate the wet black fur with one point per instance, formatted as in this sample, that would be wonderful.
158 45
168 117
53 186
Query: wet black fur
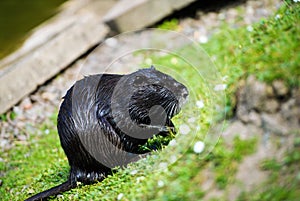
87 117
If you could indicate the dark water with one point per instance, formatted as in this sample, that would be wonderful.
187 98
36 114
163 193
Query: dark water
18 17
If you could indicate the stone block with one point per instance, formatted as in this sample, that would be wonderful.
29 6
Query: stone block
24 71
130 15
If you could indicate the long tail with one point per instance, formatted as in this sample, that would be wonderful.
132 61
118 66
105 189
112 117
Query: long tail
53 191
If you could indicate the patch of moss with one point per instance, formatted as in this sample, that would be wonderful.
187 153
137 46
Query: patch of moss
172 24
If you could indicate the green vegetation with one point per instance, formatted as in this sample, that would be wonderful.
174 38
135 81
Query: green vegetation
12 116
23 164
269 52
157 143
169 25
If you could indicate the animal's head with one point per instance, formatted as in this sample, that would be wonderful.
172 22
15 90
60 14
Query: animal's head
151 97
155 91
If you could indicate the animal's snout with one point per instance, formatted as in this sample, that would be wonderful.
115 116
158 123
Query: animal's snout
183 97
185 93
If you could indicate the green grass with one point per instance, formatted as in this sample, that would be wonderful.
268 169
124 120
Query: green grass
268 52
23 164
172 24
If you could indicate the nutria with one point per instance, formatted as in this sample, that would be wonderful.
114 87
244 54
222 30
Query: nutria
105 118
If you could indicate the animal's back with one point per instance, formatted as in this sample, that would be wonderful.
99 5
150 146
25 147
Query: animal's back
77 118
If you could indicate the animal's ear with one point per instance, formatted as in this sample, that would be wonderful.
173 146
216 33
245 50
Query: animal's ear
152 67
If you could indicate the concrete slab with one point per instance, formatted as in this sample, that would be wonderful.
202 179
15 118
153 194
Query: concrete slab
129 15
51 48
60 41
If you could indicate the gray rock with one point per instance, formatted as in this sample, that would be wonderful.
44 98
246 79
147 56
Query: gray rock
252 95
270 92
22 137
26 103
290 111
271 106
275 124
49 96
243 113
242 103
254 118
256 93
255 97
280 88
5 144
296 95
244 131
